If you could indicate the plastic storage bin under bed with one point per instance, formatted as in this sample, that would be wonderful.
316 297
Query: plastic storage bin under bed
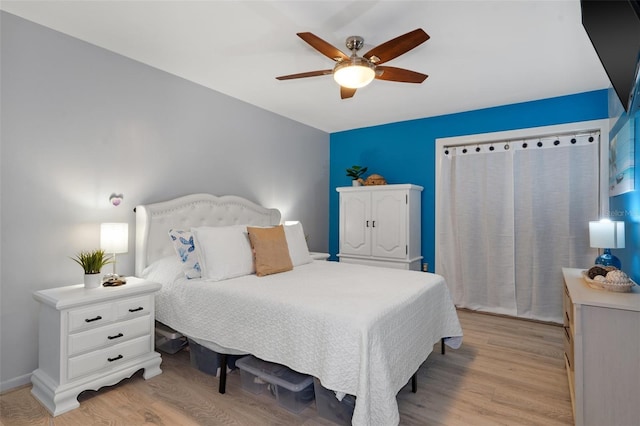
168 340
293 391
339 412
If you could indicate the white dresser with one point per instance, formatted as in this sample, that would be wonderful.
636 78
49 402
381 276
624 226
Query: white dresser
90 338
602 352
380 225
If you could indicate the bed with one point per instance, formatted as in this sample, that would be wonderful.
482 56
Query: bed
360 330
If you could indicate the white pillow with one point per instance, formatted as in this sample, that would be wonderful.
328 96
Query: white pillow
225 251
164 271
298 249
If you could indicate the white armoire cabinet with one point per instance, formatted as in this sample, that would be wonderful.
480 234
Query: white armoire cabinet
380 225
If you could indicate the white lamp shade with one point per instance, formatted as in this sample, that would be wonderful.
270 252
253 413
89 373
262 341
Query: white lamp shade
114 237
606 234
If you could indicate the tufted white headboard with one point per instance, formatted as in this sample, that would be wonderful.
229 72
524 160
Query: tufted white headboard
153 221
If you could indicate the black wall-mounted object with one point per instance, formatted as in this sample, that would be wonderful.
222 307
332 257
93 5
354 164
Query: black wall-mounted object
613 27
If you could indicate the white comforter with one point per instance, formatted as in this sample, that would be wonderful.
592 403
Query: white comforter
361 330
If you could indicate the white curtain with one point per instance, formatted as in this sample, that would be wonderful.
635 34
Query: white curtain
512 214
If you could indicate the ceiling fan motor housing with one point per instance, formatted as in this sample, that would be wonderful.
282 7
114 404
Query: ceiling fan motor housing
354 43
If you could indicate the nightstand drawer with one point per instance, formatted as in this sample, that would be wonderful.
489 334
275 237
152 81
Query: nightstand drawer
130 308
109 357
568 307
94 315
568 345
108 335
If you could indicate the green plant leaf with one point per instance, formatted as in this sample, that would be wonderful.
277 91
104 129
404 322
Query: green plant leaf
92 261
355 172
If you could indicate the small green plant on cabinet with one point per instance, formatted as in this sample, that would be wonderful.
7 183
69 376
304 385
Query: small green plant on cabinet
92 261
356 172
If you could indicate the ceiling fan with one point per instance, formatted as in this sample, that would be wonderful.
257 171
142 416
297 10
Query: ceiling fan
353 72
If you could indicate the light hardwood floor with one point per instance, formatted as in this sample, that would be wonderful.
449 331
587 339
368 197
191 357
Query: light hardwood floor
507 372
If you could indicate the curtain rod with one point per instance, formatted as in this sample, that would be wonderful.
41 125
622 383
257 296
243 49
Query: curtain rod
535 137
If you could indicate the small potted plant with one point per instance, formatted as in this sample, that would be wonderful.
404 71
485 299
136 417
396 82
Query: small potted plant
92 263
355 173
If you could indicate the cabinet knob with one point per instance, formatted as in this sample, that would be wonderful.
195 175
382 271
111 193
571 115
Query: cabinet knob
115 359
139 308
93 319
115 337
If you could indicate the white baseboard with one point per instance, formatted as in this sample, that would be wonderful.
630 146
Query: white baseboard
15 382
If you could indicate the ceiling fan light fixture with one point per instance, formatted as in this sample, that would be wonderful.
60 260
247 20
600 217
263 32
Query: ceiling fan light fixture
354 73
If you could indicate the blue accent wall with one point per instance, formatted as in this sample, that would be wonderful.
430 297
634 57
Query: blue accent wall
404 152
627 207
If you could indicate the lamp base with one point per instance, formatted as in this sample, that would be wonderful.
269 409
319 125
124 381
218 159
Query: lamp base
607 259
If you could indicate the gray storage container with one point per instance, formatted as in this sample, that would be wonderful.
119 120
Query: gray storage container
207 360
339 412
293 390
168 340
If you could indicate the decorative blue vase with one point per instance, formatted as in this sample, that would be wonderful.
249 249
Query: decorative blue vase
607 259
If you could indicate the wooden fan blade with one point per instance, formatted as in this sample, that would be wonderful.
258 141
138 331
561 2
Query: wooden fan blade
323 47
400 74
304 74
346 92
397 46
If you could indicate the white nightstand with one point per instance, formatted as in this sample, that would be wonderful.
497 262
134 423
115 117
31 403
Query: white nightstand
90 338
319 256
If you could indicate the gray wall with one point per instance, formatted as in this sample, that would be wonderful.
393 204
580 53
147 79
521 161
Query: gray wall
80 123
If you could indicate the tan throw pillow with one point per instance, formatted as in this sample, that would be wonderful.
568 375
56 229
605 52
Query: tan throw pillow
270 249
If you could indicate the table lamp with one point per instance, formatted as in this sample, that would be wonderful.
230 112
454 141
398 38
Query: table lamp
607 235
114 238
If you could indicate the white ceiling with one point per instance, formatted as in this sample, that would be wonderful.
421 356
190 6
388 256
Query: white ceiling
481 53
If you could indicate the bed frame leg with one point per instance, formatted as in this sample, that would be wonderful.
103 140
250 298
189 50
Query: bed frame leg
223 373
442 346
414 382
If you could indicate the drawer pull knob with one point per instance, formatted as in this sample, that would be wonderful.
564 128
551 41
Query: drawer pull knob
139 308
93 319
115 337
115 359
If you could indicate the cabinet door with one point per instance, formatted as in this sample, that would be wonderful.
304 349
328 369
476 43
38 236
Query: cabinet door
389 224
355 223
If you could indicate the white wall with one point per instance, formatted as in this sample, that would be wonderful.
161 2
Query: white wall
80 123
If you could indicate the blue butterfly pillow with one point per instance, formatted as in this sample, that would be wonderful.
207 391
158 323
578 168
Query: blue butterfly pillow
185 247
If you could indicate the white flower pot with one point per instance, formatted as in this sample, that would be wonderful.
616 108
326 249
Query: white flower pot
356 182
92 280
